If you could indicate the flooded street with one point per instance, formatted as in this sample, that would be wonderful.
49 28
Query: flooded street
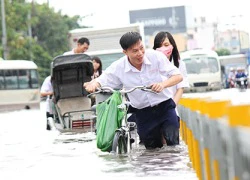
28 151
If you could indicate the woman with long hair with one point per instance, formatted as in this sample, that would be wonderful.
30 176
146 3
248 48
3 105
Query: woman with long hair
165 43
97 64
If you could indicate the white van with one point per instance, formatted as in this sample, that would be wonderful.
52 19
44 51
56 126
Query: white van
203 69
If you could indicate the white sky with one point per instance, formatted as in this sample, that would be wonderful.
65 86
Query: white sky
116 12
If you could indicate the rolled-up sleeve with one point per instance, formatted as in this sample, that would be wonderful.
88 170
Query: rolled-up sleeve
165 66
110 77
46 86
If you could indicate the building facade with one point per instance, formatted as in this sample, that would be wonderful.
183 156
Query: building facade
236 41
176 20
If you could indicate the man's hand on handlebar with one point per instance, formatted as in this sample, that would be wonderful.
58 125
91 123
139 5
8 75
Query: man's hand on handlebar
157 87
91 86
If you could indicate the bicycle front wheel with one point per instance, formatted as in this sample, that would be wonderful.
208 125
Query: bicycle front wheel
119 143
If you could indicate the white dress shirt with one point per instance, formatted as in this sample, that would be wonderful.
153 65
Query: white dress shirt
47 87
155 68
184 83
69 52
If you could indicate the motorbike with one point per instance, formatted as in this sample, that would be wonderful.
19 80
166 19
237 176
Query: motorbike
241 83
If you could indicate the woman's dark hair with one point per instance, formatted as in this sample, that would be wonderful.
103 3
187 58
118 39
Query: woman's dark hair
98 60
129 39
159 39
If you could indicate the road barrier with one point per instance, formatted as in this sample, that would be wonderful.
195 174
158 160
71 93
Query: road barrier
217 135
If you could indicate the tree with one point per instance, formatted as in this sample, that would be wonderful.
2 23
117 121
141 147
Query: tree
223 52
49 33
52 28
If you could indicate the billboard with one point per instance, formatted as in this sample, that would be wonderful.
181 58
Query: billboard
172 19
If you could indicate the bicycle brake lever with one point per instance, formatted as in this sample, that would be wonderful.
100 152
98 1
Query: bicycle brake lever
149 90
96 92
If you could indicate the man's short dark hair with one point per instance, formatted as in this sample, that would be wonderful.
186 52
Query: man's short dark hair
129 39
83 40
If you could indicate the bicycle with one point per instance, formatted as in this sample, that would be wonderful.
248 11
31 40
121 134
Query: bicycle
122 142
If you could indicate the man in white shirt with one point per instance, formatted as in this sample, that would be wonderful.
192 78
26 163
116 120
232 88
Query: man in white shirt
154 112
82 46
47 91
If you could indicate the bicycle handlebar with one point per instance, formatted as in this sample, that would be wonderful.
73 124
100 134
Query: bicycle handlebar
241 78
123 91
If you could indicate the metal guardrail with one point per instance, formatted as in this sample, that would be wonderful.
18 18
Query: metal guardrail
217 135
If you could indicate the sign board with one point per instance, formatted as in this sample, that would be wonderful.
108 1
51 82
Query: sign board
172 19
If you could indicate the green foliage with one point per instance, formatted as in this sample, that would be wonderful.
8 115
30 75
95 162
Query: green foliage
223 52
52 29
1 50
49 36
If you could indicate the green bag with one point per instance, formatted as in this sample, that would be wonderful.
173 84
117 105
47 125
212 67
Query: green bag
109 118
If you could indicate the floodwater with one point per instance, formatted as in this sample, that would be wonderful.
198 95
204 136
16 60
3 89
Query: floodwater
28 151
